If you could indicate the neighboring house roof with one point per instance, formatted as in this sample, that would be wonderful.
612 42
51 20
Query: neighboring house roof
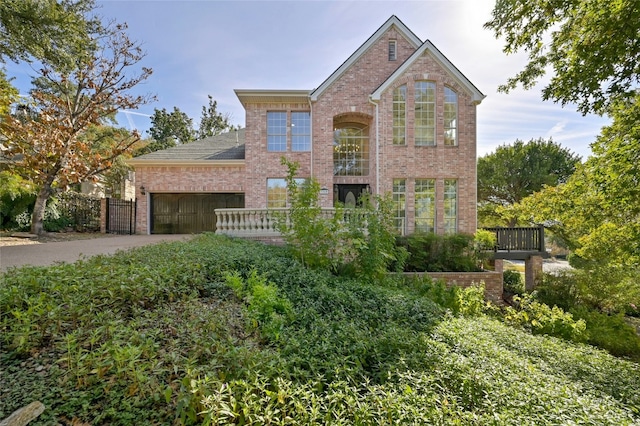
393 21
427 46
220 149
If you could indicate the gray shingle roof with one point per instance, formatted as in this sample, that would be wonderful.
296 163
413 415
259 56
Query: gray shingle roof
227 146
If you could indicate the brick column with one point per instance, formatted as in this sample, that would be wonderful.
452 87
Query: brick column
532 272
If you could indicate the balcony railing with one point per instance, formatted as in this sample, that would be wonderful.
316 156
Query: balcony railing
263 222
518 239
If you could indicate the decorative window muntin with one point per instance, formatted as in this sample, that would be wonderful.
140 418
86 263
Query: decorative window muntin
425 205
351 150
450 117
276 131
450 206
400 115
425 113
399 198
300 131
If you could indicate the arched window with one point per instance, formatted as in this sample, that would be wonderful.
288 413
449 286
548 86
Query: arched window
351 150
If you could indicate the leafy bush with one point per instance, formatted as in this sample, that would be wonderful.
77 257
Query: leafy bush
440 253
610 332
513 282
17 197
542 319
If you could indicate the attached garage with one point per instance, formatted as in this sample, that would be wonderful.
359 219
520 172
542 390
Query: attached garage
189 213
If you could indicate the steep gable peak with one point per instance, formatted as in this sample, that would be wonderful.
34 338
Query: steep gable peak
392 22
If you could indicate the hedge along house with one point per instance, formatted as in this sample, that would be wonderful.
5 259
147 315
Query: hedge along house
396 117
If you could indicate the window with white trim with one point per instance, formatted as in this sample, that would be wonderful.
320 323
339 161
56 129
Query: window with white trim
399 198
393 50
300 131
450 206
450 117
276 131
400 115
425 205
425 113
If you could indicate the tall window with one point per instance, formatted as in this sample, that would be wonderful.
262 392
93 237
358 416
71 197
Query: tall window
425 205
450 206
276 131
351 150
399 115
400 204
425 113
450 117
300 131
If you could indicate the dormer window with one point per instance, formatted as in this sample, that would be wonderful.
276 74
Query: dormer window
392 50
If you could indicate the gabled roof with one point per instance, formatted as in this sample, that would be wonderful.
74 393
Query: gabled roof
226 148
391 22
427 46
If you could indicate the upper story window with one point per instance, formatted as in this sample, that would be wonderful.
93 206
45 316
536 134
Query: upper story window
450 117
276 131
393 45
425 113
351 150
300 131
400 115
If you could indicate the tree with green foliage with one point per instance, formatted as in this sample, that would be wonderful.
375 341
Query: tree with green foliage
212 122
591 47
54 32
516 171
169 129
49 147
8 93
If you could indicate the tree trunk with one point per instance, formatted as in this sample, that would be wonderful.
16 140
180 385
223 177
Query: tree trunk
37 218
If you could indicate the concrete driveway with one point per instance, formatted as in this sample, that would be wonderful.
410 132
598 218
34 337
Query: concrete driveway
46 254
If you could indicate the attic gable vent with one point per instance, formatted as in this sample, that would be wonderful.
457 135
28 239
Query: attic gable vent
392 50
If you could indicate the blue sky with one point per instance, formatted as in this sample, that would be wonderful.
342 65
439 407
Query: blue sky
211 47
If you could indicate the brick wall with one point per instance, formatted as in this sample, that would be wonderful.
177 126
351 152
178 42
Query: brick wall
183 179
493 284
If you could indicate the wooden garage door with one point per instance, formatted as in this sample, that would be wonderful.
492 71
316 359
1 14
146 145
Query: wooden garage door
189 213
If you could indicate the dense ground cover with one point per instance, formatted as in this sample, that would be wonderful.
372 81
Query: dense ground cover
222 331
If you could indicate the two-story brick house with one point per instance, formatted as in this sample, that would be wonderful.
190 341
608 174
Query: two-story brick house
396 117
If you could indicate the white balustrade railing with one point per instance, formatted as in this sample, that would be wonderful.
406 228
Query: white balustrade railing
262 222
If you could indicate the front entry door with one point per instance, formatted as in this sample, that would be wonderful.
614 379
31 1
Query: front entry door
349 195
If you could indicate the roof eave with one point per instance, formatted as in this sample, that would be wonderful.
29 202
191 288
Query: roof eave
182 163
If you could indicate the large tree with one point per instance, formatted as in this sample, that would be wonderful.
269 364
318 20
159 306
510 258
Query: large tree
592 48
49 147
515 171
598 209
212 122
55 32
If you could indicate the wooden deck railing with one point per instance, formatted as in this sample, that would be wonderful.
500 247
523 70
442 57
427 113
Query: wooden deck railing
529 239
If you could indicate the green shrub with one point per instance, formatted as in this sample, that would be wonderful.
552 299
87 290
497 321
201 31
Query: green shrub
513 282
440 253
17 197
542 319
610 332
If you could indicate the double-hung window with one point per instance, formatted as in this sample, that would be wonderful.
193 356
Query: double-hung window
400 204
425 205
300 131
450 206
276 131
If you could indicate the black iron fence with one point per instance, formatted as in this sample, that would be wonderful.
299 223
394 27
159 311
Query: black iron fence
120 216
81 212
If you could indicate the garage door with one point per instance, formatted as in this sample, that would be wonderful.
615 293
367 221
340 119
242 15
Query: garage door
189 213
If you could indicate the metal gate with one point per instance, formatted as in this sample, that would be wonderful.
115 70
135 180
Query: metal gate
121 216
